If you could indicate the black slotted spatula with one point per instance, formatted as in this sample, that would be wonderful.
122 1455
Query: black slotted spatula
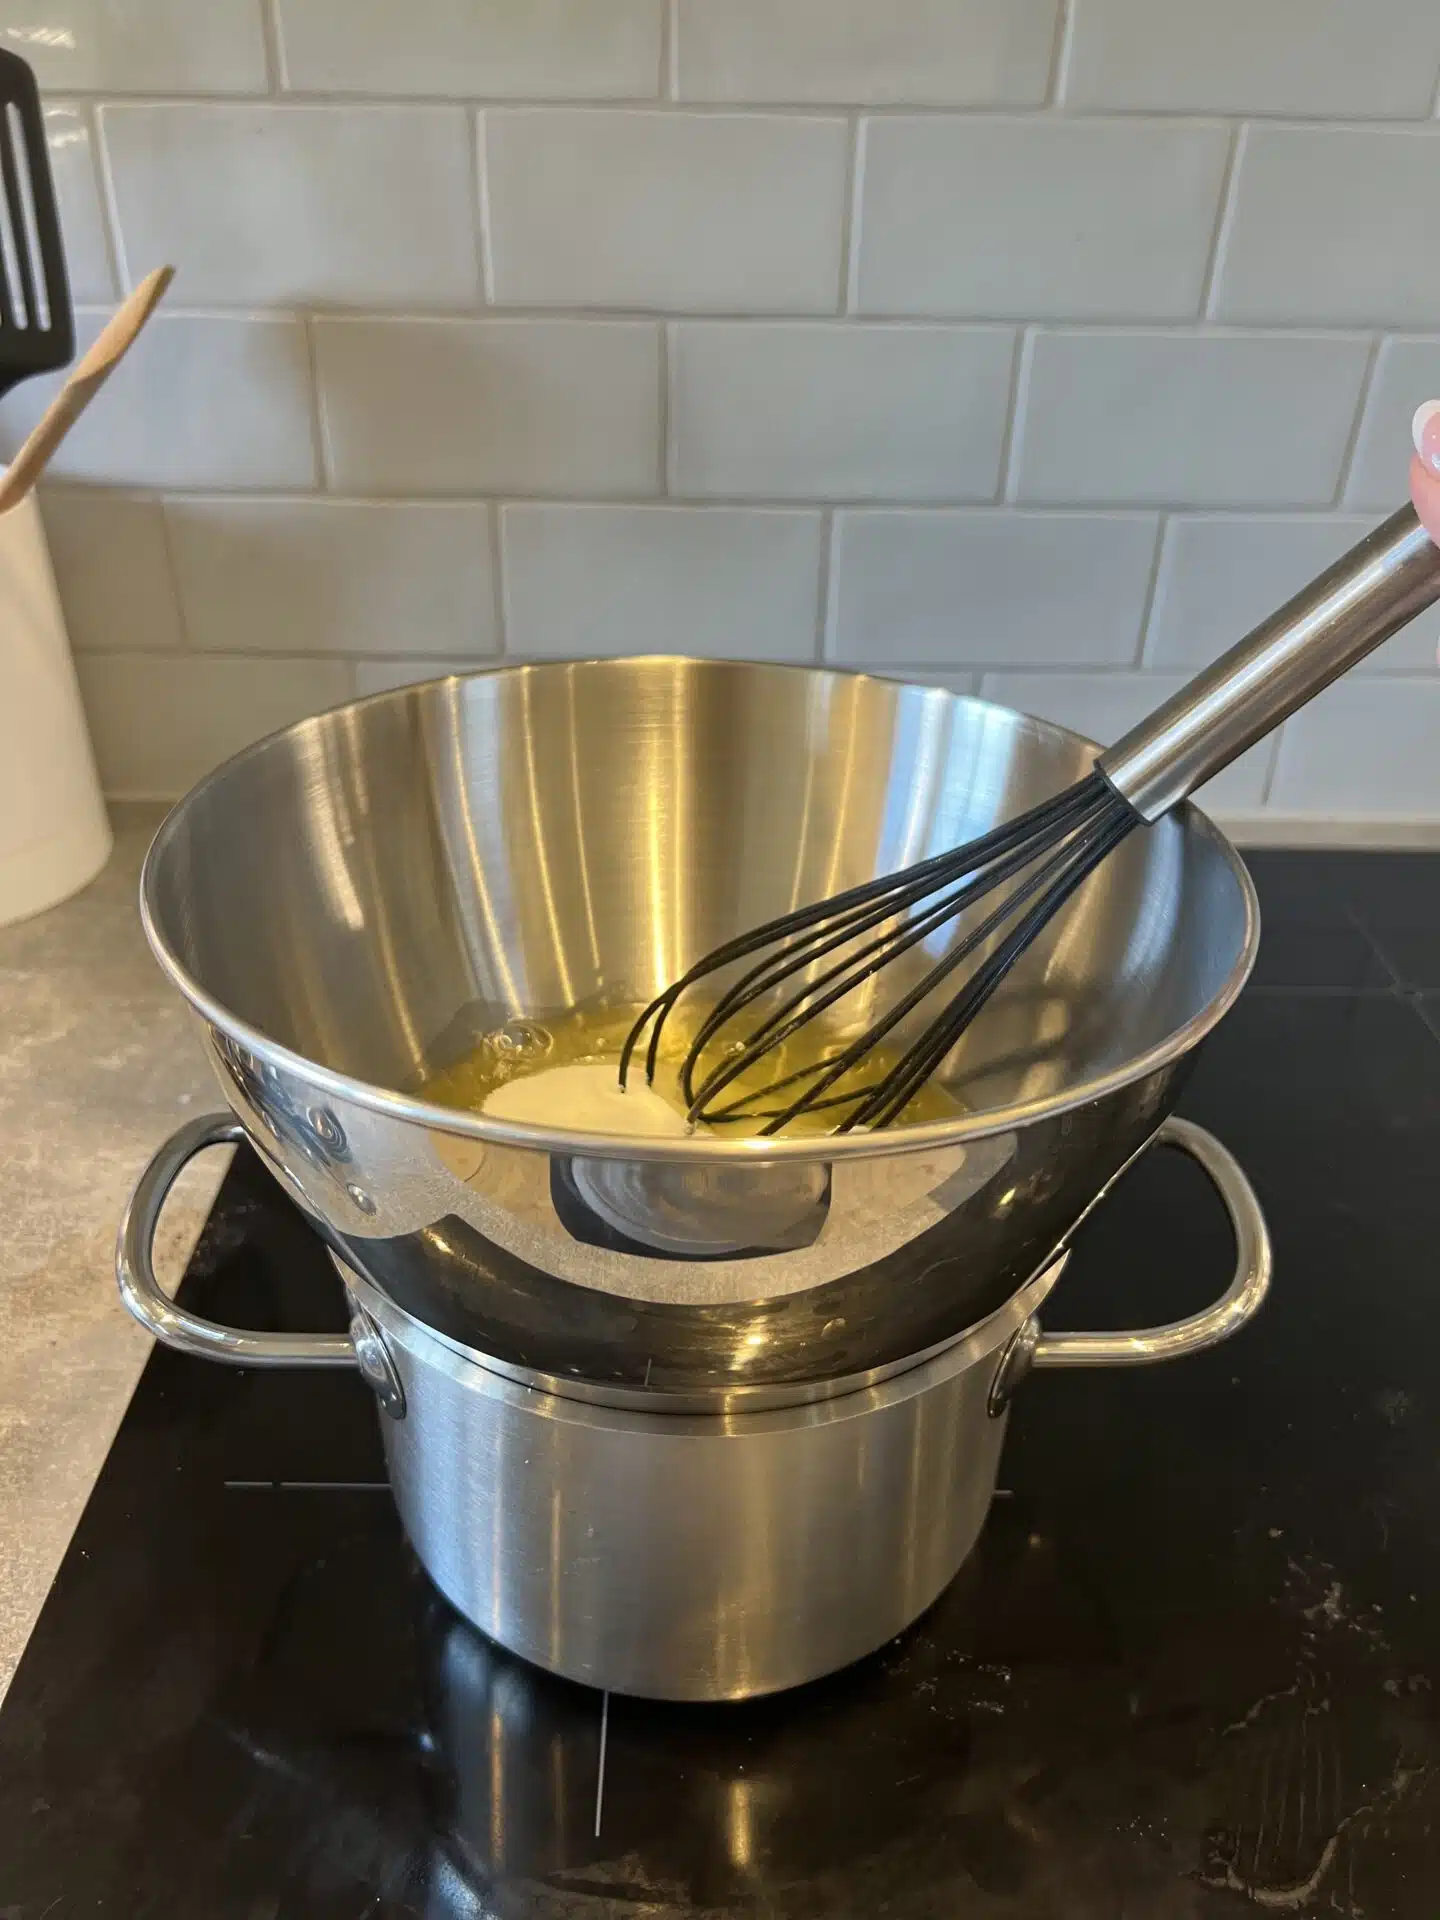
37 327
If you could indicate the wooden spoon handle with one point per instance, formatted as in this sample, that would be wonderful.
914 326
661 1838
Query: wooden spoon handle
90 374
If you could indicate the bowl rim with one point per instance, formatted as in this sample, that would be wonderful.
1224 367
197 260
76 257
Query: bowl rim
695 1149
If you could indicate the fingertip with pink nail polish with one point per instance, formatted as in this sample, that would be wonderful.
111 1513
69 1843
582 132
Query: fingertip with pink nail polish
1425 432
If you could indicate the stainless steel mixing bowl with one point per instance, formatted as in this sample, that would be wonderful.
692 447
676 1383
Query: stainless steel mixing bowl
358 898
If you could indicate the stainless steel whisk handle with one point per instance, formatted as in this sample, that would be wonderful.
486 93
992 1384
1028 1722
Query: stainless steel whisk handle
1368 594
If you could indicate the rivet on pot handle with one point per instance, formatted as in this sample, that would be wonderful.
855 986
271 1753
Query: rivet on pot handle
1139 1347
177 1327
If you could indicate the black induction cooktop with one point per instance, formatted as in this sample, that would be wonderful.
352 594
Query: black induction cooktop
1190 1671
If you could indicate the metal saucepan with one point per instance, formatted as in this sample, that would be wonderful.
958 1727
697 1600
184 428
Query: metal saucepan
691 1555
356 899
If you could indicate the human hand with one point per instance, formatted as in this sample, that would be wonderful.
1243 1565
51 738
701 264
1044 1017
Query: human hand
1425 467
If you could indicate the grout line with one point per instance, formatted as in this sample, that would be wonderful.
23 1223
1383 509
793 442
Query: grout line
274 47
830 635
497 575
167 544
1272 766
824 584
1224 220
477 207
110 207
319 439
502 578
884 669
668 79
1007 432
1057 79
1435 99
366 99
600 1769
109 225
477 660
1147 605
1019 404
664 355
1347 459
850 223
482 201
344 99
447 312
958 504
917 671
978 508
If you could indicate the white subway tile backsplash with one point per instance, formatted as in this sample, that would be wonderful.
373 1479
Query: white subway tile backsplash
1340 57
698 212
916 52
200 401
726 581
489 49
160 722
334 576
1103 706
966 589
1332 226
1134 418
1037 217
1221 575
296 203
912 335
1406 372
462 406
1364 747
77 196
139 46
113 570
824 410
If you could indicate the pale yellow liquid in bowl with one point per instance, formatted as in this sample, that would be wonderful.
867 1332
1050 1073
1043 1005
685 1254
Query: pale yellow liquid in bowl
592 1038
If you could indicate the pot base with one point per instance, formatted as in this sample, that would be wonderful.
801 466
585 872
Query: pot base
683 1554
693 1557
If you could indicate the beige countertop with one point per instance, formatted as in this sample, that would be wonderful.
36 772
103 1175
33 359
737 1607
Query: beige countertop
98 1062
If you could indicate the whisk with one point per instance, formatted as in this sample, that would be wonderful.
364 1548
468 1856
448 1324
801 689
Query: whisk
809 960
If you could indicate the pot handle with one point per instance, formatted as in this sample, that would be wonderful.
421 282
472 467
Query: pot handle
175 1325
1141 1346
